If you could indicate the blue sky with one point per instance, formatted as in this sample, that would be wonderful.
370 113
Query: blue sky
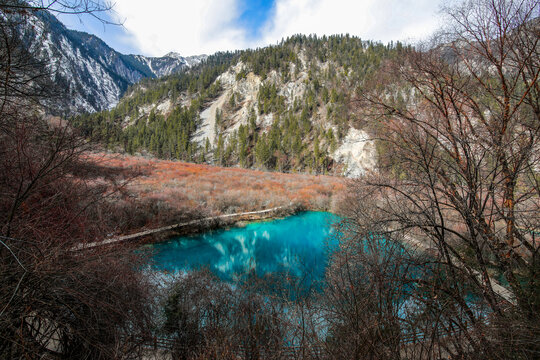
115 36
193 27
254 15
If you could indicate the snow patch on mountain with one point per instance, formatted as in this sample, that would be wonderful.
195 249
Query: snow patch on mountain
93 75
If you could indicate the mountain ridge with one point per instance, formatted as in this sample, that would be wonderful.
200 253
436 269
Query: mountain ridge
287 107
94 75
284 107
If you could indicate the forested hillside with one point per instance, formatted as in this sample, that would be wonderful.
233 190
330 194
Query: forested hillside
288 107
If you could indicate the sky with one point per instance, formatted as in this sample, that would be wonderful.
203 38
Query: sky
194 27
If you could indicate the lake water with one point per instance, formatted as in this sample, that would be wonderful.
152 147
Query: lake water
295 246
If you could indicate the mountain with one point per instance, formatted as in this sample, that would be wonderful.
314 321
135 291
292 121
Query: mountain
169 64
94 75
288 107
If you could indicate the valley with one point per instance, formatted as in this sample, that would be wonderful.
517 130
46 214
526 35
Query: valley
286 107
302 192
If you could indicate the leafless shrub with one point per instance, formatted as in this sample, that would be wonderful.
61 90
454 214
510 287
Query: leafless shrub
210 318
56 302
459 177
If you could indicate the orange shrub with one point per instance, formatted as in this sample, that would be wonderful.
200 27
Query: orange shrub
177 186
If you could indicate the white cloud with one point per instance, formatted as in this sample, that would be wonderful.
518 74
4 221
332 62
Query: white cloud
205 26
189 27
382 20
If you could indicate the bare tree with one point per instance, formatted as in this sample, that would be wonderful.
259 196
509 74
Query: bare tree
462 177
209 318
363 298
56 302
26 77
95 8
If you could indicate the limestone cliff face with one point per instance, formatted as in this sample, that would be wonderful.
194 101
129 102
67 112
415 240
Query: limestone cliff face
286 107
355 153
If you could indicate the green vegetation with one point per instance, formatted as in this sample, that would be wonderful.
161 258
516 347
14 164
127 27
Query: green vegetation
300 134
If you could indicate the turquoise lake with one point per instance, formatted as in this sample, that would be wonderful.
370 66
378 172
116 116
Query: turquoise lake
295 246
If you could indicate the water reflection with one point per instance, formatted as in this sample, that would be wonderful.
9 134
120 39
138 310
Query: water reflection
296 246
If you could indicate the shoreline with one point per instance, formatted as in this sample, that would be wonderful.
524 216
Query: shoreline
194 227
244 223
220 223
